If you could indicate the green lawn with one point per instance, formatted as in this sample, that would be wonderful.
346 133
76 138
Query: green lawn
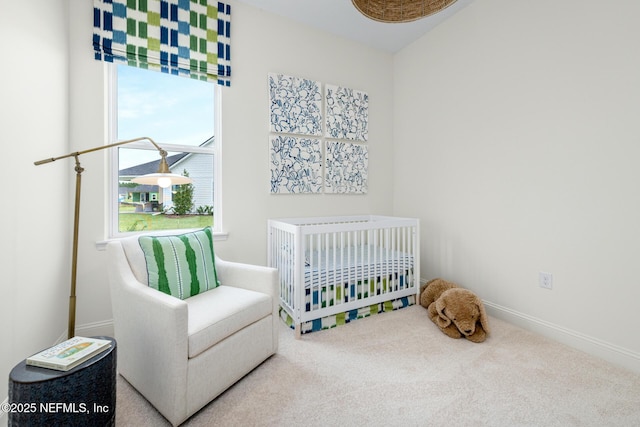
131 221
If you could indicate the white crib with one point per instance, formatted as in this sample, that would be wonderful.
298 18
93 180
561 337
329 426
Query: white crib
336 269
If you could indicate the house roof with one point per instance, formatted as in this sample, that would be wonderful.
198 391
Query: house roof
152 167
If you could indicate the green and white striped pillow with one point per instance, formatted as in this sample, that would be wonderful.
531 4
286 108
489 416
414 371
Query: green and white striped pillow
181 265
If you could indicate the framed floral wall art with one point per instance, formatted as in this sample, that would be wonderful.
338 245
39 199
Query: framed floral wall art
347 113
314 153
295 105
296 164
347 167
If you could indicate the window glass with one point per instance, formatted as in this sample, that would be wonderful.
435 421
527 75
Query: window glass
178 113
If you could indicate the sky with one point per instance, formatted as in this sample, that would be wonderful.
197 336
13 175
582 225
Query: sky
165 108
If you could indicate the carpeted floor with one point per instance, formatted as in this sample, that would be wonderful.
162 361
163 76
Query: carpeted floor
397 368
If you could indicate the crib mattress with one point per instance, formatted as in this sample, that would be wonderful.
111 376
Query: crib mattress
352 264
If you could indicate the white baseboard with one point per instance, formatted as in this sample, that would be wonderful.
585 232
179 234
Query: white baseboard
610 352
94 329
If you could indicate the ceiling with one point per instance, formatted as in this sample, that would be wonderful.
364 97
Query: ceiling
340 17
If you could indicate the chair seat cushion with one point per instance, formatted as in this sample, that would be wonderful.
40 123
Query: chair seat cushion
216 314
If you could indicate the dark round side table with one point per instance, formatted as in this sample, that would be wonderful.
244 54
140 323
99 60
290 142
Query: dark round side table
82 396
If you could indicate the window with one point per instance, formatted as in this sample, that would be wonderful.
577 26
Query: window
181 115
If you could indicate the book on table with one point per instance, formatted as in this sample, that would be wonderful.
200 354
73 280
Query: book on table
68 354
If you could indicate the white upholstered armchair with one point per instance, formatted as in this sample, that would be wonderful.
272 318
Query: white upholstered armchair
181 354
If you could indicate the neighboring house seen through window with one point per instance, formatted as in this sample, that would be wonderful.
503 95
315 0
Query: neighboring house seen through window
181 115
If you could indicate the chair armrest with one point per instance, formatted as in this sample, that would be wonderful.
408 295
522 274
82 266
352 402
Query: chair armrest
254 278
247 276
151 330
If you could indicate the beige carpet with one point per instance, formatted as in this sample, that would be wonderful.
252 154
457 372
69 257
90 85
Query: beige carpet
397 368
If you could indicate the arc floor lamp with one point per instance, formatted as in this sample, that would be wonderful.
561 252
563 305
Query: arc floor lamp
163 178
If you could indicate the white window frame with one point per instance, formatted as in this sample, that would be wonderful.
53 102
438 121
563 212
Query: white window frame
113 175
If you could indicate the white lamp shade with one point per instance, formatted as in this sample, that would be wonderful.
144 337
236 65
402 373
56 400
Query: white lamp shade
164 180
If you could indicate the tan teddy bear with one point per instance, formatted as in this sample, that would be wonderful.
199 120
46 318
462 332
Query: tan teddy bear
456 311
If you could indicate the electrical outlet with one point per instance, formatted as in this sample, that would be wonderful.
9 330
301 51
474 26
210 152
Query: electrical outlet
545 280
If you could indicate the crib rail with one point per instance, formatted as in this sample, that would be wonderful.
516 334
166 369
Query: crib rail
331 265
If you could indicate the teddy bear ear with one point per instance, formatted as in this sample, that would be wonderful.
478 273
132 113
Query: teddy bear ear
442 320
484 320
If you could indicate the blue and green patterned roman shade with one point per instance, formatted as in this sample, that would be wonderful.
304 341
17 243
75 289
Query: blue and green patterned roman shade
181 37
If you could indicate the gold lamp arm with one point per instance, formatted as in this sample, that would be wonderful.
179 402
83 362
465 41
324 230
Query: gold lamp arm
162 170
163 153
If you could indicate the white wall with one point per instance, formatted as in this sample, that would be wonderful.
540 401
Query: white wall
35 203
88 103
509 130
518 140
56 103
257 50
264 43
